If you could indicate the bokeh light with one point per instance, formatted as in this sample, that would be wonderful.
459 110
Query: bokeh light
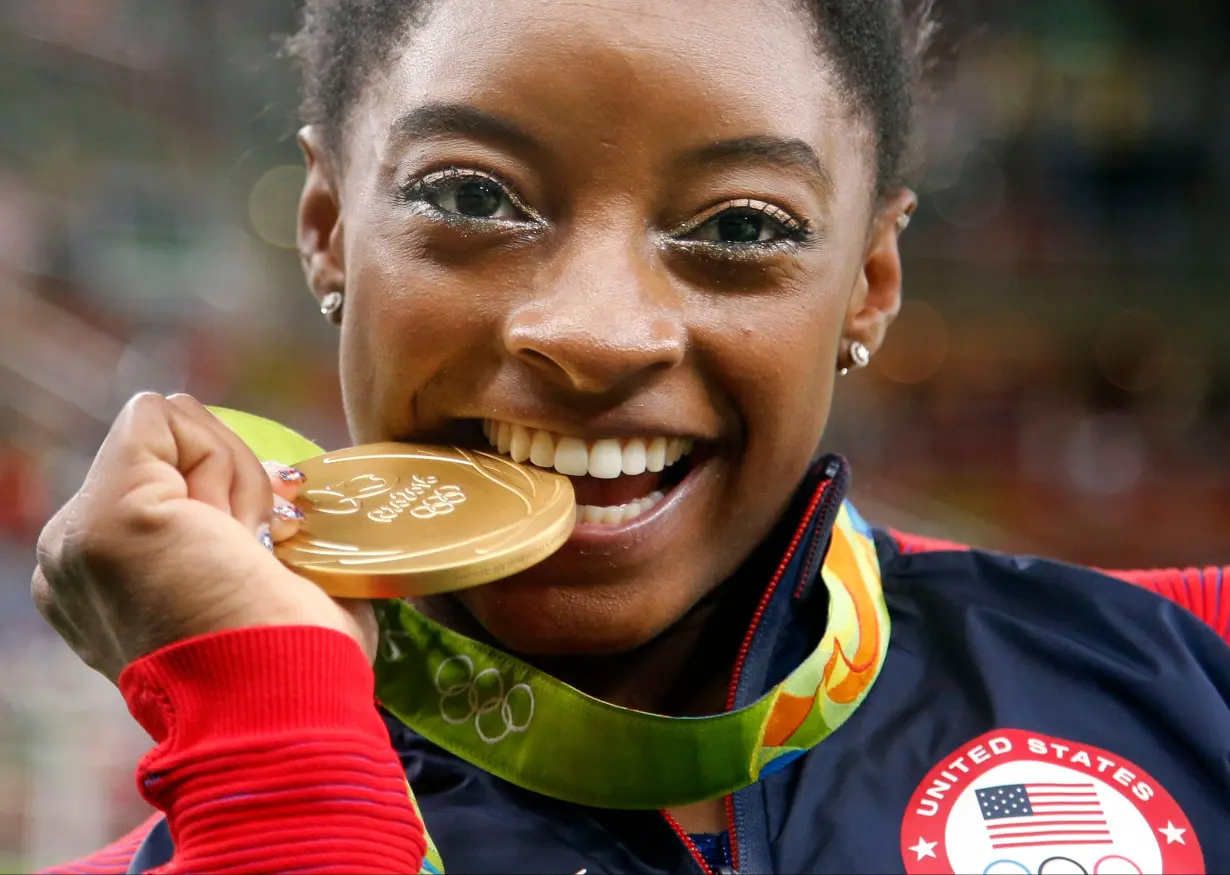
272 205
976 195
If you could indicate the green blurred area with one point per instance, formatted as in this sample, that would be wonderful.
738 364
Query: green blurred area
1059 381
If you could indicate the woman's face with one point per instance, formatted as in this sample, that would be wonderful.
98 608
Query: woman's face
646 226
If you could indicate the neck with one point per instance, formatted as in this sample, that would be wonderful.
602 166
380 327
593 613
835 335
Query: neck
683 672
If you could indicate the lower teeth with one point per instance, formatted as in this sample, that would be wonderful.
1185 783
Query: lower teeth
621 513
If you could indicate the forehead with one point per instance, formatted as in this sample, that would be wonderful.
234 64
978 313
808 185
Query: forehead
624 73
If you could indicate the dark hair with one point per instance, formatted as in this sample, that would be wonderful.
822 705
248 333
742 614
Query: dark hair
878 46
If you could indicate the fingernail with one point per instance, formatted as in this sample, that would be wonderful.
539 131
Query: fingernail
266 539
287 512
291 475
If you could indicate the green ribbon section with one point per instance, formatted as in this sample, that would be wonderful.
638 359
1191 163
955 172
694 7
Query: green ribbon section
513 721
501 714
269 441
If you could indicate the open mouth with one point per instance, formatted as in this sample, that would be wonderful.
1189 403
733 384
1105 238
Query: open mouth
615 480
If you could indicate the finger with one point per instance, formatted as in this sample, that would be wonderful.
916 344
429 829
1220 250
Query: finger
250 495
49 608
51 538
285 520
155 428
40 592
285 480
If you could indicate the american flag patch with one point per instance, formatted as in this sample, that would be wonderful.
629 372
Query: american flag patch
1033 815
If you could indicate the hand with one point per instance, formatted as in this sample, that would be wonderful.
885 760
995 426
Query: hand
164 542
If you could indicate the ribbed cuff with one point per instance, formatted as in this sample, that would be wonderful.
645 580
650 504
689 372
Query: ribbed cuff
249 683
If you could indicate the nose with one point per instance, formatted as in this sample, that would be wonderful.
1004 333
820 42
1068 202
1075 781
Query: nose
606 318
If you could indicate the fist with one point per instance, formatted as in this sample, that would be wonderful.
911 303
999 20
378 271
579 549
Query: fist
169 538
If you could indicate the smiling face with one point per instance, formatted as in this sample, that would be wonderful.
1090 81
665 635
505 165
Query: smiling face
631 246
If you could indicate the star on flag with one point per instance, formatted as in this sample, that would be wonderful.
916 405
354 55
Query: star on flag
924 848
1172 833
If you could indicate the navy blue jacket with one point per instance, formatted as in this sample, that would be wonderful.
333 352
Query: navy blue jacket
1031 716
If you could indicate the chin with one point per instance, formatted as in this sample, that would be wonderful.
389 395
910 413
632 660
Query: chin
525 616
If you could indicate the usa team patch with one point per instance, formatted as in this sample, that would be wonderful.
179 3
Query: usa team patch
1020 803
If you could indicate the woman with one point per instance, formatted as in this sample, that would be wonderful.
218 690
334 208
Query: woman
650 227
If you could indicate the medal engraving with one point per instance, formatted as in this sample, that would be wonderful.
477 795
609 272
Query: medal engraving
398 520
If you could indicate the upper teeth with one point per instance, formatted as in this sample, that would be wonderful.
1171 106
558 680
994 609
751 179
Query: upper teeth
606 458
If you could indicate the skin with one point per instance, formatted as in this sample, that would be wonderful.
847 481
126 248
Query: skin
593 322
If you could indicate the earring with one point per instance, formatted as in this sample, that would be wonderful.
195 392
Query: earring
331 307
860 355
903 222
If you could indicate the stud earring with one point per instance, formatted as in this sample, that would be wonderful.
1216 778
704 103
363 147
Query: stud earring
331 307
903 222
860 355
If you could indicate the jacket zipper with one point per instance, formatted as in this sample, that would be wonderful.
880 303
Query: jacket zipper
688 843
822 493
822 496
830 497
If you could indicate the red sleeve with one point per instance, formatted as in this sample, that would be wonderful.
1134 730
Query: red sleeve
907 543
270 755
1203 591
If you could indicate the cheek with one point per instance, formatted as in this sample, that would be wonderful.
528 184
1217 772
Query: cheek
778 367
405 319
792 403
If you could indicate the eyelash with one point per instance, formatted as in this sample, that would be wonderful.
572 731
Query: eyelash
419 192
794 233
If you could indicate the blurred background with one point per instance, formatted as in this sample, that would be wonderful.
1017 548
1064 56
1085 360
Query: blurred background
1058 383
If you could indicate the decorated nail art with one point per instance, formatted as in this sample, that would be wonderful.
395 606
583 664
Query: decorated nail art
291 475
287 512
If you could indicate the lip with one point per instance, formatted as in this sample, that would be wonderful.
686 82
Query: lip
648 525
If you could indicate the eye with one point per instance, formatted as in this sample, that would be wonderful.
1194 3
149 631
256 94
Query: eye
745 222
477 198
739 226
468 194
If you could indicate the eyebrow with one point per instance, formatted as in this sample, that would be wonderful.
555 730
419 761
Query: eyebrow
775 151
460 119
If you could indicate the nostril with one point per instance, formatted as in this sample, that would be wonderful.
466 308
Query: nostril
592 355
535 357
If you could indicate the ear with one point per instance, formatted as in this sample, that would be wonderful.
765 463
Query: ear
320 218
877 293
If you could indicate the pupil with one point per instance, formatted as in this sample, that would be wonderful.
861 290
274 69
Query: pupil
478 197
740 227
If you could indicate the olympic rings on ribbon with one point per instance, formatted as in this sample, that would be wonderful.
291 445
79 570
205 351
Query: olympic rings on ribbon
476 706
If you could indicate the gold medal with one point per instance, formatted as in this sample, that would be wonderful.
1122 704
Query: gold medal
398 520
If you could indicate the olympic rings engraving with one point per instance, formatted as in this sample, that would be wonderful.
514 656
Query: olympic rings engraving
441 501
466 695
